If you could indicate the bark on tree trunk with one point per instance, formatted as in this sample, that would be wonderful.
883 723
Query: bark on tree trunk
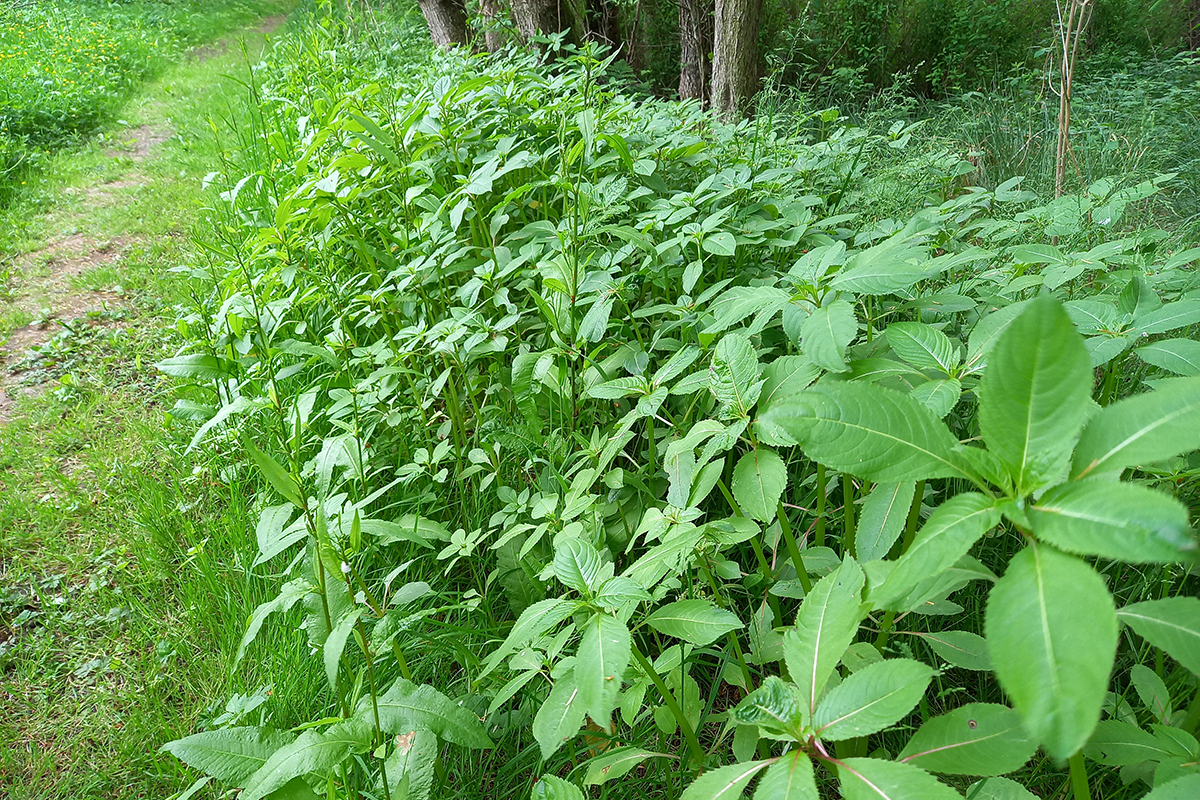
493 39
691 51
447 21
735 56
547 16
1193 34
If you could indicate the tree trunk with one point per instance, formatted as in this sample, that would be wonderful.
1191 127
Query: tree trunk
493 39
447 21
547 16
691 51
1193 31
735 56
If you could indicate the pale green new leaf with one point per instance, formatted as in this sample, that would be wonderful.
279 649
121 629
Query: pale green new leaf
1172 623
552 787
976 739
313 751
1052 636
882 519
616 763
726 783
534 621
1038 379
228 754
336 643
868 431
1122 521
560 716
698 622
758 482
603 655
826 333
577 564
1141 429
874 698
825 627
406 706
733 374
789 778
874 779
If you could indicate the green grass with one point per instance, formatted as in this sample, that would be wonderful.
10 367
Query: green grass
122 597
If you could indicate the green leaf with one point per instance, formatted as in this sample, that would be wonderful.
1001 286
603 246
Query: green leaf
1052 636
534 621
229 754
603 655
825 627
882 519
873 779
406 706
276 475
616 763
1122 521
826 334
999 789
1152 692
758 482
313 751
577 565
1172 624
868 431
336 643
923 346
698 622
411 765
1140 430
789 778
946 536
196 367
1169 317
560 717
1185 788
733 374
876 697
960 648
552 787
776 707
940 396
1181 356
288 595
1119 744
976 739
721 243
1037 381
726 783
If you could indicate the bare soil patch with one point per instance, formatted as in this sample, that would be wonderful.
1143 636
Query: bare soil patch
139 142
221 47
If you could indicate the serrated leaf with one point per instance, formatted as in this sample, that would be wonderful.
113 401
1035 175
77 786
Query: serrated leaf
1122 521
789 778
923 346
826 333
560 717
976 739
1172 623
940 396
733 374
999 789
825 627
1181 356
1152 692
1052 636
876 697
1037 380
775 707
721 243
601 659
616 763
1185 788
406 706
1141 429
961 648
577 564
230 755
1119 744
698 622
874 779
313 751
726 783
411 764
1179 314
552 787
868 431
534 621
758 482
882 519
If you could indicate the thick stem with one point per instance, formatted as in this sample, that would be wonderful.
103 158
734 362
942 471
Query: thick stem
819 534
793 551
848 509
914 516
1079 778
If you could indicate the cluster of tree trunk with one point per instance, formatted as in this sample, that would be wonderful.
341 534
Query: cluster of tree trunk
726 28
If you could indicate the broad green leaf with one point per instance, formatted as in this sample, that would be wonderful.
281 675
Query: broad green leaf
946 536
733 374
1152 692
410 767
758 482
1037 381
940 396
552 787
1172 624
616 763
698 622
1119 744
618 591
534 621
314 751
1185 788
721 243
603 655
406 706
1181 356
560 717
726 783
923 346
988 331
1122 521
789 778
825 627
999 789
228 754
960 648
882 519
1169 317
827 333
775 707
276 475
336 643
976 739
874 779
577 565
1141 429
197 367
739 302
1052 636
868 431
876 697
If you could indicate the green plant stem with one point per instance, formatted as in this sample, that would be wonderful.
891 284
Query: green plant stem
914 516
764 567
789 541
819 534
688 734
1193 715
1079 778
848 509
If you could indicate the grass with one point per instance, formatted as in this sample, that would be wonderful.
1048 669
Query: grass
121 599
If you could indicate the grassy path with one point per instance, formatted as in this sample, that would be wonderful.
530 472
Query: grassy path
118 610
